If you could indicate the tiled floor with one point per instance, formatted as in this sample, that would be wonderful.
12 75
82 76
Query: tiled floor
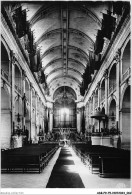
90 181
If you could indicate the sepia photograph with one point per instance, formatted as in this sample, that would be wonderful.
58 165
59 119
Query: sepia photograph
65 119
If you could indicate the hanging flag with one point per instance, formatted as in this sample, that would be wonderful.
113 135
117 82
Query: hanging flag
82 89
91 61
97 61
108 25
30 46
43 80
39 63
20 20
33 62
99 42
117 7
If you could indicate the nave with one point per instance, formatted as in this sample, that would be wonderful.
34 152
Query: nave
65 79
64 170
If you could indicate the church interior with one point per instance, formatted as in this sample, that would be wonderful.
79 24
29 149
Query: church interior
65 94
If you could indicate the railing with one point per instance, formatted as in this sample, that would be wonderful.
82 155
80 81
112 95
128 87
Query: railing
65 129
112 88
126 74
106 132
4 74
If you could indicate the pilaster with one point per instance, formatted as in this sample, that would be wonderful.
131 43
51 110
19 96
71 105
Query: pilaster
99 93
118 65
12 64
106 90
31 107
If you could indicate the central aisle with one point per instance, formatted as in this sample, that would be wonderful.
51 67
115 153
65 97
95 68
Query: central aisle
64 174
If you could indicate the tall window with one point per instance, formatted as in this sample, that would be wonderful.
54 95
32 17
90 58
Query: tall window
65 115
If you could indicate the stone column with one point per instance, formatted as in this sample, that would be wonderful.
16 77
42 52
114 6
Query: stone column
24 99
50 120
12 64
36 111
90 110
78 120
106 91
118 65
31 107
99 93
93 94
86 116
93 106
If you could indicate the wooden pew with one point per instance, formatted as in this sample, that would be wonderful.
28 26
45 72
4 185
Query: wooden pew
114 166
27 159
91 155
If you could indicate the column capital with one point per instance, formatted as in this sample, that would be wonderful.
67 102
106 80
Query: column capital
13 57
98 85
78 110
51 110
117 55
93 93
105 74
24 73
31 86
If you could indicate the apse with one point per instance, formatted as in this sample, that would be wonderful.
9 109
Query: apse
64 108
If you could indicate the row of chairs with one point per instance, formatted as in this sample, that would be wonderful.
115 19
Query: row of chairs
31 158
104 161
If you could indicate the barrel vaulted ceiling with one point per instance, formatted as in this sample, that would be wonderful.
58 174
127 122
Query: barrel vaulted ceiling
65 32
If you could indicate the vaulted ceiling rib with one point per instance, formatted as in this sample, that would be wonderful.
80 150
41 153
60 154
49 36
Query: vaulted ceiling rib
65 32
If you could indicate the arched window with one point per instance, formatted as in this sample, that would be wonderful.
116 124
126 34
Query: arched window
112 79
126 118
18 79
112 115
27 90
96 99
126 62
4 62
103 90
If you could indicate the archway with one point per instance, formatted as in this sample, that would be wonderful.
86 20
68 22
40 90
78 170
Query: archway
112 115
18 79
126 117
64 108
103 90
96 99
126 59
112 79
27 121
5 119
4 62
27 91
18 114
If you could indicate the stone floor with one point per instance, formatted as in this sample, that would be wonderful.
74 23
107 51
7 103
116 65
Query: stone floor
39 181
